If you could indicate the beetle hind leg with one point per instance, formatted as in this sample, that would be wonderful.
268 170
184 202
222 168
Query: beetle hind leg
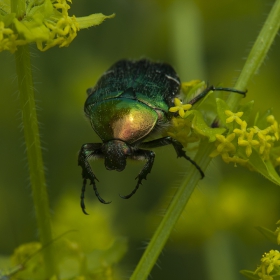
176 145
149 156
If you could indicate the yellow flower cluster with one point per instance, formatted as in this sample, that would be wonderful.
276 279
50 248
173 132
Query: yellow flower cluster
269 262
46 23
237 145
181 131
63 31
249 138
53 30
8 40
181 127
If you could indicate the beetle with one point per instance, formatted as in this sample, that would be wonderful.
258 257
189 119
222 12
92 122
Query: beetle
130 103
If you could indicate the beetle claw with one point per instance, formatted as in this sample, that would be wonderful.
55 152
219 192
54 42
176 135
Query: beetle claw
132 193
126 196
102 200
84 209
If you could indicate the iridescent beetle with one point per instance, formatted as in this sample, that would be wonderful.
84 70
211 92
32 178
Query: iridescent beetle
129 103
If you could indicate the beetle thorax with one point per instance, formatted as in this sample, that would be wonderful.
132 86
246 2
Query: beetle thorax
115 154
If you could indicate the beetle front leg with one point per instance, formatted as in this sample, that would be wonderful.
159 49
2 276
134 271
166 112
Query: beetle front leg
142 155
88 151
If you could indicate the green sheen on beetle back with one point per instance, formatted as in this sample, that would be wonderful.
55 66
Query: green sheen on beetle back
155 84
123 119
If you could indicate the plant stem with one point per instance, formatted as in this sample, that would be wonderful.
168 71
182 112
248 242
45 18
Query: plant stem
33 145
252 64
172 215
258 53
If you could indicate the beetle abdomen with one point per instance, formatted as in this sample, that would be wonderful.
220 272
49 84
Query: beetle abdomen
122 118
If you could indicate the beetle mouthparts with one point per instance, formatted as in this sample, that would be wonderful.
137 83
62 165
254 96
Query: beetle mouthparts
115 154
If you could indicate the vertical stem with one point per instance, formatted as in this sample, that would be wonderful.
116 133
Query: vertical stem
171 217
258 53
33 145
33 150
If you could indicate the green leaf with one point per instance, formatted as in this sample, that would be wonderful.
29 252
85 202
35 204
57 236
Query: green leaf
221 108
246 109
270 235
261 120
200 126
249 274
32 31
7 19
91 20
32 27
41 11
5 7
265 167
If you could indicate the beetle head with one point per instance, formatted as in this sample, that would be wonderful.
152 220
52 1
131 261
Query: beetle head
115 154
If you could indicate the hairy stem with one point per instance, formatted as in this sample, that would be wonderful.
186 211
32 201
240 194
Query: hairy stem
258 53
33 145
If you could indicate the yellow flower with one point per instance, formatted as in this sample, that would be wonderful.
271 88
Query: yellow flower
233 117
271 260
248 143
274 126
242 131
224 146
4 31
180 107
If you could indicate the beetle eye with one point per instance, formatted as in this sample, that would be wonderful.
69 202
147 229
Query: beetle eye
88 91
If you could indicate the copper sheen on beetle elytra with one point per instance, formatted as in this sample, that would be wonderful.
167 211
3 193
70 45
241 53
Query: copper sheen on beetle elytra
129 103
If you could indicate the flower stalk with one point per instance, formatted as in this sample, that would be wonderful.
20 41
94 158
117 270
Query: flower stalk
34 153
33 144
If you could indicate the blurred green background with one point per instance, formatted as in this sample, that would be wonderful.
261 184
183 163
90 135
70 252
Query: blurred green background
207 40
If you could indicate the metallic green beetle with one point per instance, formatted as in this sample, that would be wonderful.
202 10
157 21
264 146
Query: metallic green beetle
129 103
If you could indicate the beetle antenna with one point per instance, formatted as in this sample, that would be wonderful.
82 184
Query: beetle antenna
212 88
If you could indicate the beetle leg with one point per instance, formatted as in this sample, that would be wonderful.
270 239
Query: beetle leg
88 151
177 146
212 88
142 155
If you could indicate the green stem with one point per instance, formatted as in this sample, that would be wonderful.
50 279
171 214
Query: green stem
172 215
33 145
255 59
258 53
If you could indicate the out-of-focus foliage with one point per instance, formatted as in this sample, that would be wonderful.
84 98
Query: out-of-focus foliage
83 252
217 227
270 262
